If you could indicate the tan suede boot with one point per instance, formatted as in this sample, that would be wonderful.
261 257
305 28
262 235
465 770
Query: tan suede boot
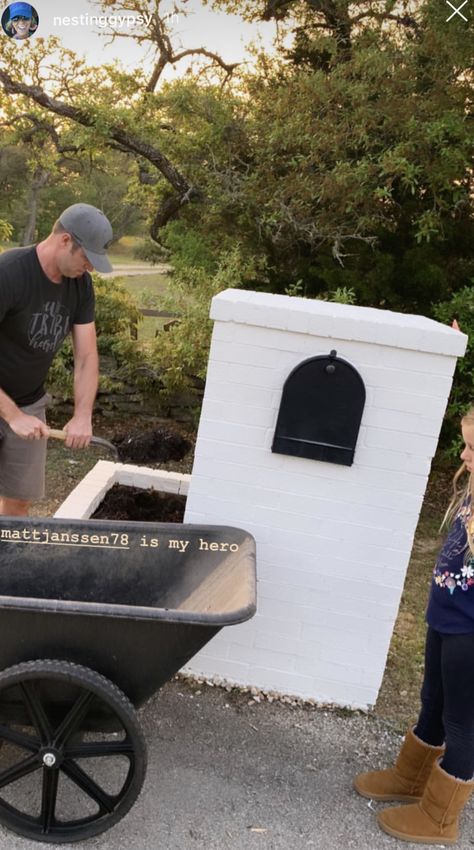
434 819
407 779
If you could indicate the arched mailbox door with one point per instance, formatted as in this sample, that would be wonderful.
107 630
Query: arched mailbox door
321 410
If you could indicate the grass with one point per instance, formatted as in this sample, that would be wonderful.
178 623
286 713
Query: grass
146 289
153 285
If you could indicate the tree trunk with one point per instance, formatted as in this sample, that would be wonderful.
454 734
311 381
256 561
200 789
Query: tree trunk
40 179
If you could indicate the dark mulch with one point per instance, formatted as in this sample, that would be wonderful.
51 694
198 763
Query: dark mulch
137 505
156 446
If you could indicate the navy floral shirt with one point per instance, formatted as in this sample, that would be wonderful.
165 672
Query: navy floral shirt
451 603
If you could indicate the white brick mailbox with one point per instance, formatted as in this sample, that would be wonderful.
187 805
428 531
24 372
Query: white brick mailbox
333 541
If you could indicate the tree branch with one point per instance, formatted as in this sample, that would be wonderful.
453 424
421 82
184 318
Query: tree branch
118 137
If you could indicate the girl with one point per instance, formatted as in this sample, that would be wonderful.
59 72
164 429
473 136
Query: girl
435 766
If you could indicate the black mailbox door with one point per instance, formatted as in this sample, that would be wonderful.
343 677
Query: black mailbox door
321 410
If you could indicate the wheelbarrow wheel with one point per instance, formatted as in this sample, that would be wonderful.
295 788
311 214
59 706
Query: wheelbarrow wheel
64 776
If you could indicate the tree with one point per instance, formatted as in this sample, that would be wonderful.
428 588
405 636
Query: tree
361 163
343 162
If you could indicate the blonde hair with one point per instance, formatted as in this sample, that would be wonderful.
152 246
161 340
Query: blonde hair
10 28
461 493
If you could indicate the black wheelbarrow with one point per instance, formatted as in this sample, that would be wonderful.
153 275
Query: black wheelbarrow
94 618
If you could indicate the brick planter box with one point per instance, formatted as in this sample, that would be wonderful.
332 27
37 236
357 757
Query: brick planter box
89 493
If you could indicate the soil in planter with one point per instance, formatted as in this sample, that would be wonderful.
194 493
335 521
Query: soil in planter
157 446
138 505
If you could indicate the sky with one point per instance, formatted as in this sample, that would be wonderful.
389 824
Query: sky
70 20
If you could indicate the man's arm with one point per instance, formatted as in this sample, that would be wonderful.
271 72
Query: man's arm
86 377
23 425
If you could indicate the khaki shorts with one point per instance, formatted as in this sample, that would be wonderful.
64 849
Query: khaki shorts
22 462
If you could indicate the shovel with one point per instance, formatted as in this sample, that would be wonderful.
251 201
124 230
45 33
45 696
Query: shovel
94 441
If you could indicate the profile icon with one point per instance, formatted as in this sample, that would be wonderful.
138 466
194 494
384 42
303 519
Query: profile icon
20 21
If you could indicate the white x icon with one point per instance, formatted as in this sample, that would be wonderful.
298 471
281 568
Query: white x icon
456 11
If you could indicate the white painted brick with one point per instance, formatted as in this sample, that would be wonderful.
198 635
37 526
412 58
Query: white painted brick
395 420
231 490
273 609
250 456
285 644
361 354
194 516
317 667
234 671
400 441
282 681
269 626
340 693
338 605
388 460
354 641
433 407
398 491
217 649
346 582
321 509
317 623
322 617
253 355
255 377
241 637
294 523
225 331
384 555
229 433
434 364
263 657
371 676
316 562
127 478
184 485
397 379
240 394
366 323
239 414
400 481
275 339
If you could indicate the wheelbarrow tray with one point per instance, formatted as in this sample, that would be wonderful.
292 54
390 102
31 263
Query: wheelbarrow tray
133 601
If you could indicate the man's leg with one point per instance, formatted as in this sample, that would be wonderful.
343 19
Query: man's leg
22 466
14 507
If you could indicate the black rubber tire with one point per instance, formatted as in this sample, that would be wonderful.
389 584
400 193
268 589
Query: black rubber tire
64 743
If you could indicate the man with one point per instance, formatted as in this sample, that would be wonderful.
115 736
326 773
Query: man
46 292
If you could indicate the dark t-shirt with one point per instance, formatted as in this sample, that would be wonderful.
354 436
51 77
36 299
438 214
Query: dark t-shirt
35 317
451 603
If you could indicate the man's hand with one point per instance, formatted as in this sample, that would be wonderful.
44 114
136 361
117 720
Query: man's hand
28 427
79 432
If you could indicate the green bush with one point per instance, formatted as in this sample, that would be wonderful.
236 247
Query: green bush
6 230
461 308
116 312
149 252
180 354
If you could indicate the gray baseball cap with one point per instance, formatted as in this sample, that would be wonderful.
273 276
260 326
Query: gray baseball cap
92 230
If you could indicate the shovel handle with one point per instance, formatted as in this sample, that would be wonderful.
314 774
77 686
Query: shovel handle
58 435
